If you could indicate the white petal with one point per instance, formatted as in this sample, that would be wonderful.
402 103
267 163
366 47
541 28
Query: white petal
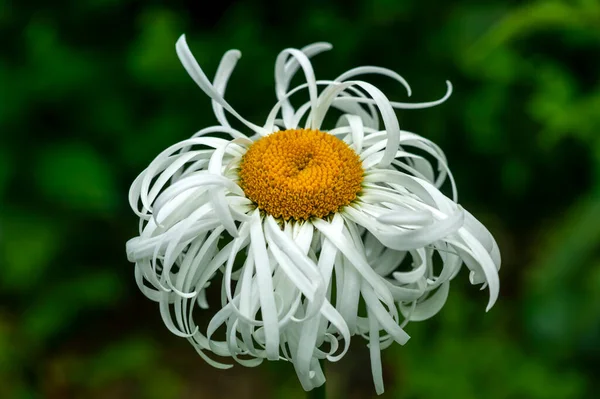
386 320
357 259
285 69
358 131
383 104
401 105
265 284
196 73
282 75
376 70
375 353
429 307
224 71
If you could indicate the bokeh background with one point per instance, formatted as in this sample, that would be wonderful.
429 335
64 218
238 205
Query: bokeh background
91 91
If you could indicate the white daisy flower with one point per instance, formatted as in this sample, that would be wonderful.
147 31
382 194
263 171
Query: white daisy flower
314 233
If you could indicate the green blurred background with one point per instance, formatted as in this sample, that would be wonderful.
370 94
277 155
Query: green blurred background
91 91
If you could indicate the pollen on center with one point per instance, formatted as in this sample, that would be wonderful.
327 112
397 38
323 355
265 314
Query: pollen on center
300 174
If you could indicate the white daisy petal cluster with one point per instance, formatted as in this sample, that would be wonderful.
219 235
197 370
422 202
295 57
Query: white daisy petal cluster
298 288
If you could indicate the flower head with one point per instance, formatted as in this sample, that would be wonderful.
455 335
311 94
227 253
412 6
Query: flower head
298 222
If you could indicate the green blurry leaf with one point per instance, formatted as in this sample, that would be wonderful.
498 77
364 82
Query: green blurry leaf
77 177
482 111
502 65
471 364
114 118
562 301
516 177
163 384
162 130
533 17
56 307
386 11
6 13
551 104
132 356
54 70
6 349
6 169
29 245
153 60
102 3
572 117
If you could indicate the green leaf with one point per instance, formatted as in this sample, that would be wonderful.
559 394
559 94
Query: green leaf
77 177
6 169
55 70
516 176
152 59
56 308
29 244
129 357
466 362
562 301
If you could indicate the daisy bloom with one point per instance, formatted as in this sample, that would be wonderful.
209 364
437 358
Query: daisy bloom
314 233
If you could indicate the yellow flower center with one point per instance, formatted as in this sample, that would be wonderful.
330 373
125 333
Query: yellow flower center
300 174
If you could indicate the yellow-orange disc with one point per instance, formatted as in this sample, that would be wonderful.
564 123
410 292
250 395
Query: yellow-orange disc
300 174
